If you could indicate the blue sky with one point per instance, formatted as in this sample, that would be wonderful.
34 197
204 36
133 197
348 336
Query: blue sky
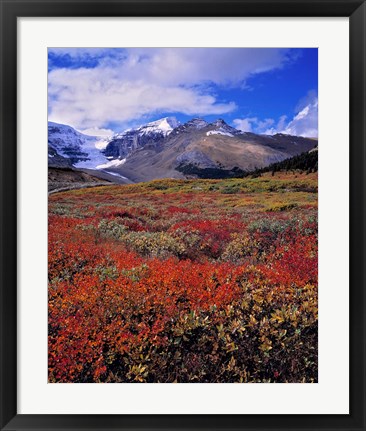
261 90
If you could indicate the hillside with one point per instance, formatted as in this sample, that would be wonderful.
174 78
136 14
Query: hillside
68 178
208 148
307 162
167 149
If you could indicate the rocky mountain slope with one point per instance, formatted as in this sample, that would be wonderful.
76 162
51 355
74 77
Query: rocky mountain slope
121 145
69 178
215 146
167 149
68 143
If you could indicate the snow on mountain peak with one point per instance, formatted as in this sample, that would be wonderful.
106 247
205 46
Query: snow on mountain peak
219 131
61 135
164 126
84 150
219 127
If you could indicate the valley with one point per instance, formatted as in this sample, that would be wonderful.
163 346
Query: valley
182 253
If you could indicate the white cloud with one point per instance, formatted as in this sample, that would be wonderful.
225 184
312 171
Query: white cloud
245 124
282 122
279 127
304 123
139 82
87 101
191 66
262 125
95 131
252 124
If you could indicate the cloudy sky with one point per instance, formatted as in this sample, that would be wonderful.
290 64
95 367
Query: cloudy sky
264 90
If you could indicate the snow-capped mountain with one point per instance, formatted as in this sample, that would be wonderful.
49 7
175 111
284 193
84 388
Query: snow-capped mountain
209 150
67 146
219 127
195 123
163 126
81 150
122 144
166 148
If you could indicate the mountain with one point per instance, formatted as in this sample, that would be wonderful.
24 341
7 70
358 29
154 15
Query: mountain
67 146
167 149
121 145
55 160
199 148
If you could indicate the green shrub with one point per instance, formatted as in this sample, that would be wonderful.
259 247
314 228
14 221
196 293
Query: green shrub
153 244
112 228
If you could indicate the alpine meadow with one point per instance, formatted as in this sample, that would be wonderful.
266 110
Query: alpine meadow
183 215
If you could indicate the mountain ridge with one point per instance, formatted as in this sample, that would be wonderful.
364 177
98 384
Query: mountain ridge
163 148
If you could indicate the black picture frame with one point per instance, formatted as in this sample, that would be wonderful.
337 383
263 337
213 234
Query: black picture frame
10 10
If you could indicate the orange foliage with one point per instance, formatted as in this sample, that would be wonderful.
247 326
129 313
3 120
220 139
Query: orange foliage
235 302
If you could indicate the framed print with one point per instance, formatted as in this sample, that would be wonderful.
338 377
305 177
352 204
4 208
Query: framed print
182 201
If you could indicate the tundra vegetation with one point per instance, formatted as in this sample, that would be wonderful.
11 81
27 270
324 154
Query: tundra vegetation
185 281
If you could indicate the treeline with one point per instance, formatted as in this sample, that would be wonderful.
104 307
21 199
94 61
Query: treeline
211 173
306 162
